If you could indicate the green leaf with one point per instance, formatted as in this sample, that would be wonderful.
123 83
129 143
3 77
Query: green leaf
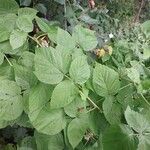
28 143
61 58
41 8
134 75
46 142
24 23
50 122
146 51
77 52
47 65
65 39
8 21
10 100
1 58
51 30
8 6
25 18
112 110
146 28
17 38
56 142
30 12
76 130
105 80
146 84
75 108
137 121
67 93
125 95
6 71
4 33
7 24
23 121
3 124
24 77
79 70
38 97
85 38
144 142
97 122
7 48
119 137
27 59
45 120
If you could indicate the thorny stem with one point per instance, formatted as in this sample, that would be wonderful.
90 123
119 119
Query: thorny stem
8 60
145 99
34 39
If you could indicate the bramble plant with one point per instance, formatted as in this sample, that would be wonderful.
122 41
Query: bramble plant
61 91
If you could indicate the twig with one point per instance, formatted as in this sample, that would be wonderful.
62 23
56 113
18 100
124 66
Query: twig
136 19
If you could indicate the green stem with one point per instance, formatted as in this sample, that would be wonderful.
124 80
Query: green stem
146 101
68 77
88 98
8 60
44 34
125 86
91 101
34 39
91 109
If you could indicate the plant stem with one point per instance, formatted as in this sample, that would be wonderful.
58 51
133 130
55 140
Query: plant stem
68 77
90 100
34 39
94 104
91 109
146 101
8 60
125 86
136 19
44 34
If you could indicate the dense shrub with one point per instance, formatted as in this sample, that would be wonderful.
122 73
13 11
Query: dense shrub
74 75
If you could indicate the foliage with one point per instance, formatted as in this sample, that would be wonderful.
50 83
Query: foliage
82 87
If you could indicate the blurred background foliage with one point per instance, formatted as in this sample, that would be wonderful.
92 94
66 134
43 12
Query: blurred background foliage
104 16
